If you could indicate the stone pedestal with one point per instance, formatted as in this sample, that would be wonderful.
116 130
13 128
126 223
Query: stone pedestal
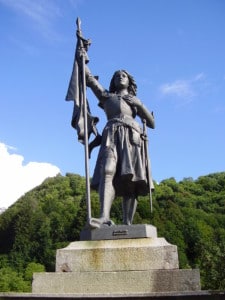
111 262
117 255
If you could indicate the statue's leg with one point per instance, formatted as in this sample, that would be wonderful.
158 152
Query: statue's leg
106 188
107 195
129 209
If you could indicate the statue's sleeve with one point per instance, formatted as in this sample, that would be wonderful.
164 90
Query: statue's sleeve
144 113
93 83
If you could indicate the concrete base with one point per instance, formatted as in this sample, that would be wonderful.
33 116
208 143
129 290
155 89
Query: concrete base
186 295
118 267
117 255
120 282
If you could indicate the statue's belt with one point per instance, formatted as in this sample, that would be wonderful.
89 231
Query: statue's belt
113 124
125 121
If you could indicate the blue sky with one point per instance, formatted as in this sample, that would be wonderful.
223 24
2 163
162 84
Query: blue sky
175 51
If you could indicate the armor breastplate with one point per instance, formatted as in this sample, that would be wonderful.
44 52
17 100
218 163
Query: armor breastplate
115 106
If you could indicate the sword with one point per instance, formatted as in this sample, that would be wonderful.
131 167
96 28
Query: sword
145 136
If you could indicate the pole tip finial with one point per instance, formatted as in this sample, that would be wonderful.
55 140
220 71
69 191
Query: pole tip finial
78 22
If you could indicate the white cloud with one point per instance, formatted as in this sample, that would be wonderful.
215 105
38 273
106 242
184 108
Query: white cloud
198 77
179 88
16 179
40 14
39 11
183 88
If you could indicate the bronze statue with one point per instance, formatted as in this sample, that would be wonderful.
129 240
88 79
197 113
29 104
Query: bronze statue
122 164
120 169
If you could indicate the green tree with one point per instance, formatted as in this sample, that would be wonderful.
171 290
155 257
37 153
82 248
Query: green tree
12 281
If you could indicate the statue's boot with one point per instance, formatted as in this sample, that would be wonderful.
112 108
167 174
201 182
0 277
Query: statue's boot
99 222
129 209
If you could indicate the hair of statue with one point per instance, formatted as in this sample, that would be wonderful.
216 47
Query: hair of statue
132 88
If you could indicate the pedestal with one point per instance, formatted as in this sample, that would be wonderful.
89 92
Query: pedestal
117 266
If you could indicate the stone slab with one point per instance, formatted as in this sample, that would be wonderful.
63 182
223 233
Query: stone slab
186 295
123 282
116 232
117 255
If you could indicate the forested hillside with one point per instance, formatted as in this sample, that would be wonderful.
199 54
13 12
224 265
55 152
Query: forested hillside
189 214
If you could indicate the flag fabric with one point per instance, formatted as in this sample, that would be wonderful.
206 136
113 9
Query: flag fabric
75 93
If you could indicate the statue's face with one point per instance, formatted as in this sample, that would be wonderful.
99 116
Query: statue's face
121 80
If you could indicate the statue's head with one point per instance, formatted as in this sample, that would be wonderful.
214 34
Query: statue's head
132 87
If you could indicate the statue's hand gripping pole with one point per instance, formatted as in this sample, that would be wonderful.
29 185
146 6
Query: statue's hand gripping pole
83 44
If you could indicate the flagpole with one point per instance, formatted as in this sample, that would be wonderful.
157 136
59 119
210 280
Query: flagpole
88 194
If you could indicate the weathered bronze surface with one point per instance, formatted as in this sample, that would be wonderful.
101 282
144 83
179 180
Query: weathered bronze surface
122 167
